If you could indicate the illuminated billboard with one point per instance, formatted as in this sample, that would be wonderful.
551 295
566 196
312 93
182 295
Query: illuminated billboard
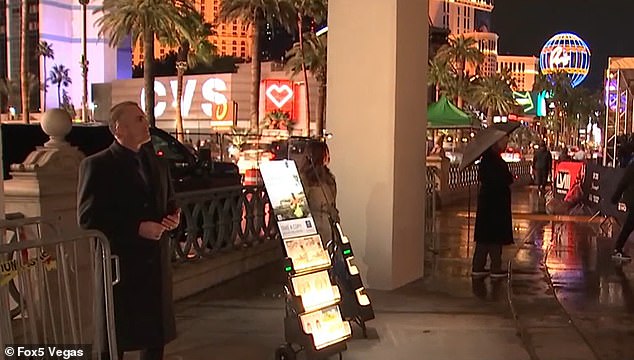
566 52
532 103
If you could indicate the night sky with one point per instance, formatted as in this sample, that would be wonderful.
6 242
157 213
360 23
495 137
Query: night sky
606 25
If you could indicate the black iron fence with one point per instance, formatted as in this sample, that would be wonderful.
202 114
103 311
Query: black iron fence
221 220
460 179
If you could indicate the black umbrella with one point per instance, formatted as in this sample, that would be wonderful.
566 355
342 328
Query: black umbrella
484 140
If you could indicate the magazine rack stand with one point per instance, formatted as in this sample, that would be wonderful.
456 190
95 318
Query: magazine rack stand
355 302
313 322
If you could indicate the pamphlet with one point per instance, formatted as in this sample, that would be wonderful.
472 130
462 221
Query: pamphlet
326 326
307 253
315 289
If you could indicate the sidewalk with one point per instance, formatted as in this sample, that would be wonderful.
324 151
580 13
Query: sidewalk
444 316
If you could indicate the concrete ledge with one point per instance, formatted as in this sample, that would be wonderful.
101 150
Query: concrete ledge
192 278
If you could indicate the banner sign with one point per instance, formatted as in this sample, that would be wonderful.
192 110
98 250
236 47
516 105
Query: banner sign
288 199
567 173
598 187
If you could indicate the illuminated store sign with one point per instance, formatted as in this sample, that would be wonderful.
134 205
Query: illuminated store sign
282 94
214 104
279 95
566 52
531 102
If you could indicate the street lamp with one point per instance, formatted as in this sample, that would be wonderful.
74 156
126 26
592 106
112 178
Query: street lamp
84 64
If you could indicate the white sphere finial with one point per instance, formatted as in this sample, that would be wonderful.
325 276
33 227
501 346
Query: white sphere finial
56 123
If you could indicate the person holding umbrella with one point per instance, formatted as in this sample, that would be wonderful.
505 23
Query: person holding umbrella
494 223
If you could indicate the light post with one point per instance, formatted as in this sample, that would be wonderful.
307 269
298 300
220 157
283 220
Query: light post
84 64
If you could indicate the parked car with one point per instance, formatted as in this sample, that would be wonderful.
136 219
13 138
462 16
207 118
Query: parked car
191 170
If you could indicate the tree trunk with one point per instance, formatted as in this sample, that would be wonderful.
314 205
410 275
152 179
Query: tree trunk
461 73
181 66
490 115
24 63
45 86
179 96
148 75
305 73
59 96
255 75
321 109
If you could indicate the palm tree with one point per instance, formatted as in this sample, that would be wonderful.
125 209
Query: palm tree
493 94
141 20
12 89
194 48
253 13
60 76
45 50
461 51
507 76
313 58
317 10
441 76
559 87
24 61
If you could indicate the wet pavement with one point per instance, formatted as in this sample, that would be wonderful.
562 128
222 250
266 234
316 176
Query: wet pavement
565 300
595 290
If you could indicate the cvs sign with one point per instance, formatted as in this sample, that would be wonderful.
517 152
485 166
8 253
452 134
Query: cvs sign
201 99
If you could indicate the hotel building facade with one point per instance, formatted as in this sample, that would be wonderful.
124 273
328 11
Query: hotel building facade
232 39
59 23
523 68
469 18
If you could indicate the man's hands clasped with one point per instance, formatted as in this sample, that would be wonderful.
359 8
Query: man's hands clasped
153 230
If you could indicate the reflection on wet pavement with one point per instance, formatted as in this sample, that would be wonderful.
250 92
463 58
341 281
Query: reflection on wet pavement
594 289
592 315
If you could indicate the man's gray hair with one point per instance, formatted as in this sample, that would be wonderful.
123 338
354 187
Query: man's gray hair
116 112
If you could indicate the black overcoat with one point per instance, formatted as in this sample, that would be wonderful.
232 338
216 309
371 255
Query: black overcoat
494 223
113 198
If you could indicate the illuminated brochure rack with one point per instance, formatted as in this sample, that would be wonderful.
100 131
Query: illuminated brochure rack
355 303
313 322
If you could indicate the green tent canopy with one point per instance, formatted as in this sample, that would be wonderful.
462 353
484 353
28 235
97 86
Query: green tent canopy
445 115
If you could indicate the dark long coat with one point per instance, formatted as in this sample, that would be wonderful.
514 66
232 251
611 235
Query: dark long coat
113 198
494 223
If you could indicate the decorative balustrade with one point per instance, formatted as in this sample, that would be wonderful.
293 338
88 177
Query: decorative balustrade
461 179
433 180
221 220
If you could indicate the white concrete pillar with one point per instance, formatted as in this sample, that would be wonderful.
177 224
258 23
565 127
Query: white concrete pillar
377 91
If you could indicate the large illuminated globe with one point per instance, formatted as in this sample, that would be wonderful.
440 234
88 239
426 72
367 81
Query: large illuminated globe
566 52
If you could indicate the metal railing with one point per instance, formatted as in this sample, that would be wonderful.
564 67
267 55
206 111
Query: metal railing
461 179
56 289
221 220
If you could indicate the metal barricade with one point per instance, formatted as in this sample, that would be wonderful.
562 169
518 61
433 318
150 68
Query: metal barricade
54 289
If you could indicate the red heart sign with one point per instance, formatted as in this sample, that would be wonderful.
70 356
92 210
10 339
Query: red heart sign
279 94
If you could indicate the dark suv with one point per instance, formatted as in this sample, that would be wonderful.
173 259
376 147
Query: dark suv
190 169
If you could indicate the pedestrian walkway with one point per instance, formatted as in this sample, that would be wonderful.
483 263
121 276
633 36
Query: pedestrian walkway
446 315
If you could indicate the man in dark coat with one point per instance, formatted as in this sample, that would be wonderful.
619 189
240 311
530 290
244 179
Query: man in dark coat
542 165
125 192
625 191
494 224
